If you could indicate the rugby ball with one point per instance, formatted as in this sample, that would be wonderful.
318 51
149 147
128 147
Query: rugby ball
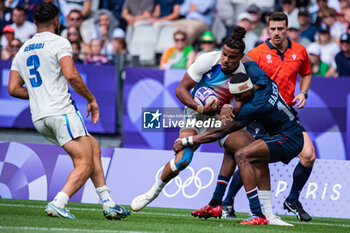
204 95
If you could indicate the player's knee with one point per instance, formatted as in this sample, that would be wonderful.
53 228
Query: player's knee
308 156
185 160
240 157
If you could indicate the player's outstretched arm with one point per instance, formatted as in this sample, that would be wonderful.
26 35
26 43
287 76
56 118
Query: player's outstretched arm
73 77
209 136
15 87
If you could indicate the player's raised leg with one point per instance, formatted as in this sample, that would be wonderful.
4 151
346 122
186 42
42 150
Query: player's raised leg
110 209
301 174
171 169
80 151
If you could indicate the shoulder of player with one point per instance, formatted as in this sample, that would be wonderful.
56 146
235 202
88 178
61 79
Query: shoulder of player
209 59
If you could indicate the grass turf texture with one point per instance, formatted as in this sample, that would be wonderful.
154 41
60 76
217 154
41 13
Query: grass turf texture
29 216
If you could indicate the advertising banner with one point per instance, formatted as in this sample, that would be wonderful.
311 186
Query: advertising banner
102 82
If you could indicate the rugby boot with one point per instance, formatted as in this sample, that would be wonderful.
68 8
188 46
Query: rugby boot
298 210
208 212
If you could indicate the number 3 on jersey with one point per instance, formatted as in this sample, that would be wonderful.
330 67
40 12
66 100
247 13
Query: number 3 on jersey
34 61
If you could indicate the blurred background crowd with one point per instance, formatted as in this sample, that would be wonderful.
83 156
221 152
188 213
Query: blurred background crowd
173 33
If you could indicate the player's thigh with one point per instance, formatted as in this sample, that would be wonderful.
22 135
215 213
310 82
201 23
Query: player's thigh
256 151
307 155
80 150
238 140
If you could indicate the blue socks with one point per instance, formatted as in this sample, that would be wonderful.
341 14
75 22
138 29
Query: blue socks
254 203
300 176
235 186
219 190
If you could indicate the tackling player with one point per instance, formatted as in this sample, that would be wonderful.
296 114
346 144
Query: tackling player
44 64
282 60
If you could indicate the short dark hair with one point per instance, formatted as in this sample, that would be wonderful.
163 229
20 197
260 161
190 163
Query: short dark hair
278 16
235 40
239 78
45 12
20 8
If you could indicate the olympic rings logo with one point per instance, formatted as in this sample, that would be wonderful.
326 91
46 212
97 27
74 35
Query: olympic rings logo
182 185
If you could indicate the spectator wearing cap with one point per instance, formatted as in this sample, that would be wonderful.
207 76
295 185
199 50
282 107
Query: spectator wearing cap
199 16
328 47
328 16
8 34
318 67
245 20
293 34
342 59
207 43
116 45
257 25
23 28
179 56
307 30
165 11
289 7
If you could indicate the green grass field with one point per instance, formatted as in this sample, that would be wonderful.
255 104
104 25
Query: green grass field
29 216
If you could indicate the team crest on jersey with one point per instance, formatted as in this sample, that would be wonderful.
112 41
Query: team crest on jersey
294 56
268 57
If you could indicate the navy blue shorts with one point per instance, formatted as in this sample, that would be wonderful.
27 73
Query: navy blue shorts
285 146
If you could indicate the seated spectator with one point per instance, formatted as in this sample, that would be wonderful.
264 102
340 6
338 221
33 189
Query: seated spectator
76 50
179 56
328 16
257 25
109 49
198 15
318 67
73 35
8 34
307 30
314 9
135 10
245 20
105 23
75 19
23 28
5 15
207 43
223 19
119 45
289 7
96 57
328 47
115 7
342 59
293 33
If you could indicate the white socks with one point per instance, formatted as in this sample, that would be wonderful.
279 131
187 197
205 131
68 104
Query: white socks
60 200
103 193
158 187
265 200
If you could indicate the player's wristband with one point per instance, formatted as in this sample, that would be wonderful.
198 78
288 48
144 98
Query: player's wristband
187 141
200 109
305 93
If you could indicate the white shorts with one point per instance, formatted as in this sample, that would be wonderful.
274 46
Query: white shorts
192 114
61 129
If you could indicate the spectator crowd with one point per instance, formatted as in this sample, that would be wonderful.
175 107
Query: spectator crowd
173 33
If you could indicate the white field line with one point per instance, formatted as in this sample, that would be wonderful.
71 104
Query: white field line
165 214
63 229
